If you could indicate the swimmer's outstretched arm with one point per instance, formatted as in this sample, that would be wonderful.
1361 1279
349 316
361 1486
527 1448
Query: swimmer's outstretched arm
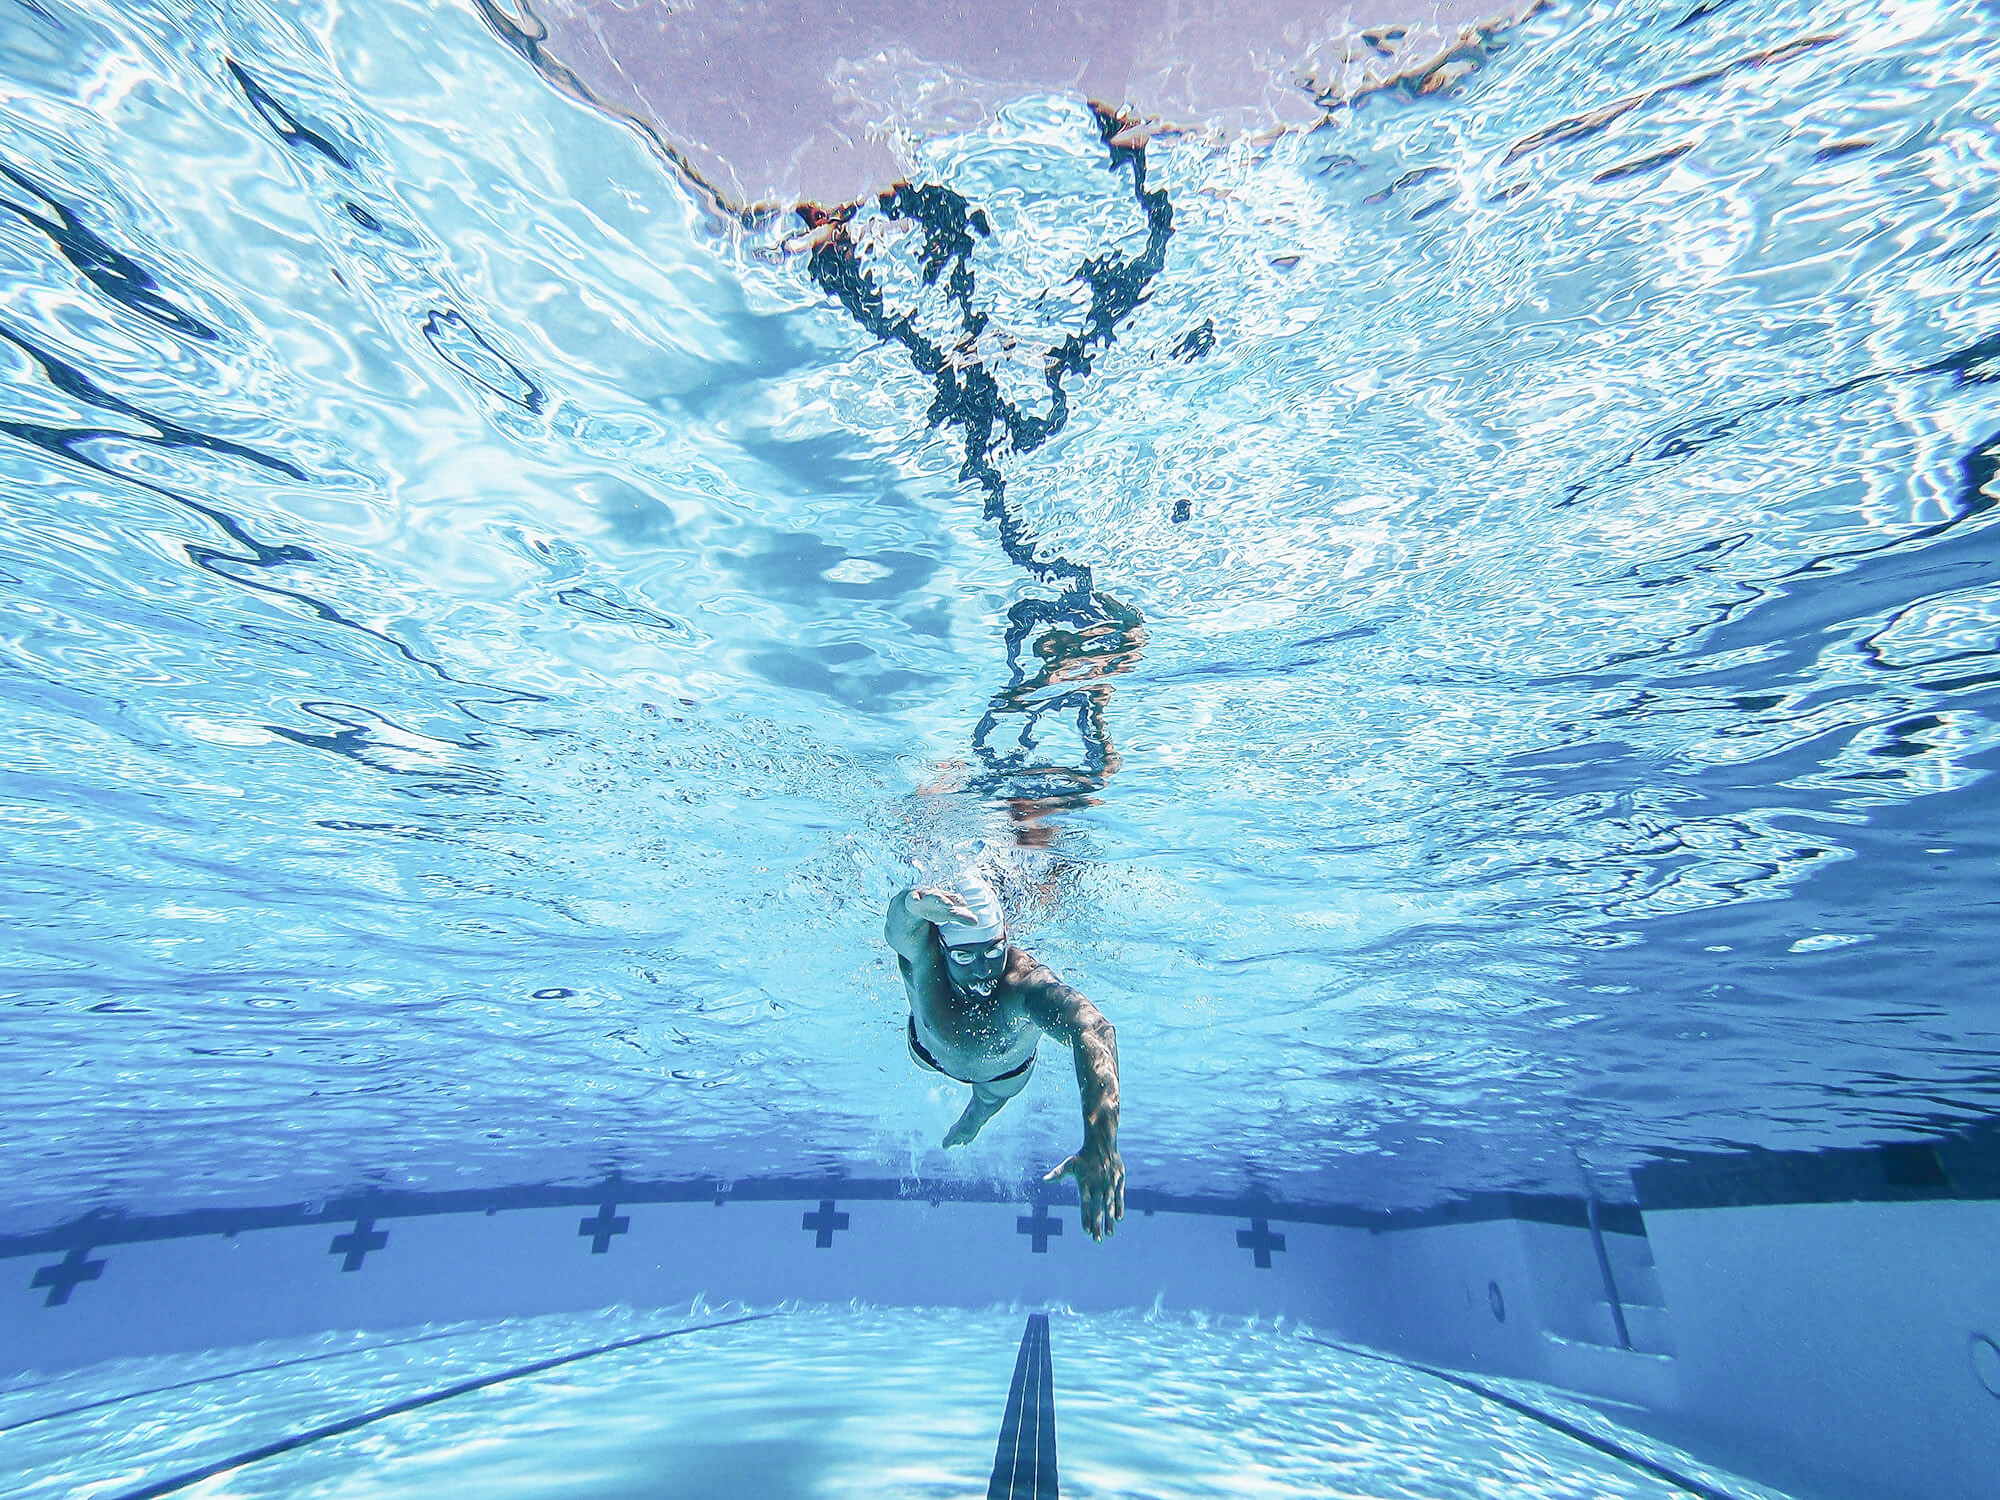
1100 1174
912 914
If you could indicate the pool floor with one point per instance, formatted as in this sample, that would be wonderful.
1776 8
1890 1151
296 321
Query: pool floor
812 1402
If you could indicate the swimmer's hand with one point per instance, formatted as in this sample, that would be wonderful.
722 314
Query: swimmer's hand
939 906
1100 1187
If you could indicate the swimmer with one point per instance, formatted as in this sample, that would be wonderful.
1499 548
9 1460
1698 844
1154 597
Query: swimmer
978 1008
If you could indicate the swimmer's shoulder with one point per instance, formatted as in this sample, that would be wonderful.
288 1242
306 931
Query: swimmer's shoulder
1029 977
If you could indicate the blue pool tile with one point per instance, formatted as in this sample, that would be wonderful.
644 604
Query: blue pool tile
823 1224
1041 1226
1260 1242
63 1277
600 1228
356 1244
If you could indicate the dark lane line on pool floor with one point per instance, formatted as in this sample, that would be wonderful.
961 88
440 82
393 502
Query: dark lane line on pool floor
464 1387
181 1385
1548 1419
1024 1463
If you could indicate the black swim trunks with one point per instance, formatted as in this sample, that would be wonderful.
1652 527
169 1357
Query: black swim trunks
924 1059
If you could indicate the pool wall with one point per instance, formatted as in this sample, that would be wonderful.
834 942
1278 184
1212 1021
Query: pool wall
96 1289
1844 1347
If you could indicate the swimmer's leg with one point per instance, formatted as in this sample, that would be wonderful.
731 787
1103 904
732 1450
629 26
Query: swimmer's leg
986 1102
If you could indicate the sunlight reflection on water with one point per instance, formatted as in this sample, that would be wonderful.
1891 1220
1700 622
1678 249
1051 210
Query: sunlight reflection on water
483 637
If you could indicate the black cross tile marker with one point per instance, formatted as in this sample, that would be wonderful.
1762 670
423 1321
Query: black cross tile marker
1040 1225
1024 1465
1260 1242
600 1229
357 1243
61 1278
823 1224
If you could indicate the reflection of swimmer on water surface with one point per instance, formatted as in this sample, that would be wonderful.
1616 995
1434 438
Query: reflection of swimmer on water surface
1083 642
978 1009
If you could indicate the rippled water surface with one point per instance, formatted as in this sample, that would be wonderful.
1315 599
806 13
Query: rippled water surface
1491 653
821 1402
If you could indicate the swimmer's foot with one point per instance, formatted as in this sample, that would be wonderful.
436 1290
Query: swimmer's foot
969 1124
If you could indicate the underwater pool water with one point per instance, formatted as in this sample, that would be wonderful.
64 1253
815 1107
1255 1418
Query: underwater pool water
1469 631
485 636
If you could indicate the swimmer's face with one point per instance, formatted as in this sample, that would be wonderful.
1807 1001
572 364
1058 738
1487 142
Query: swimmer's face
975 967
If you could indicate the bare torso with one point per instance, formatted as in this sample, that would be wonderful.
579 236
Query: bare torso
974 1037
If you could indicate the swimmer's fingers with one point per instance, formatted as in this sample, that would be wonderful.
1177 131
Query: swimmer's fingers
1100 1196
936 905
1072 1167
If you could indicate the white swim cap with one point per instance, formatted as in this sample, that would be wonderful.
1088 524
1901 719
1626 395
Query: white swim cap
979 897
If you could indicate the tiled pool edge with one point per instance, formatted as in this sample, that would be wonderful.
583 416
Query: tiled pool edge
1811 1319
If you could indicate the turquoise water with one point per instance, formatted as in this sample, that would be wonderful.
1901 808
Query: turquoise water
824 1402
483 635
